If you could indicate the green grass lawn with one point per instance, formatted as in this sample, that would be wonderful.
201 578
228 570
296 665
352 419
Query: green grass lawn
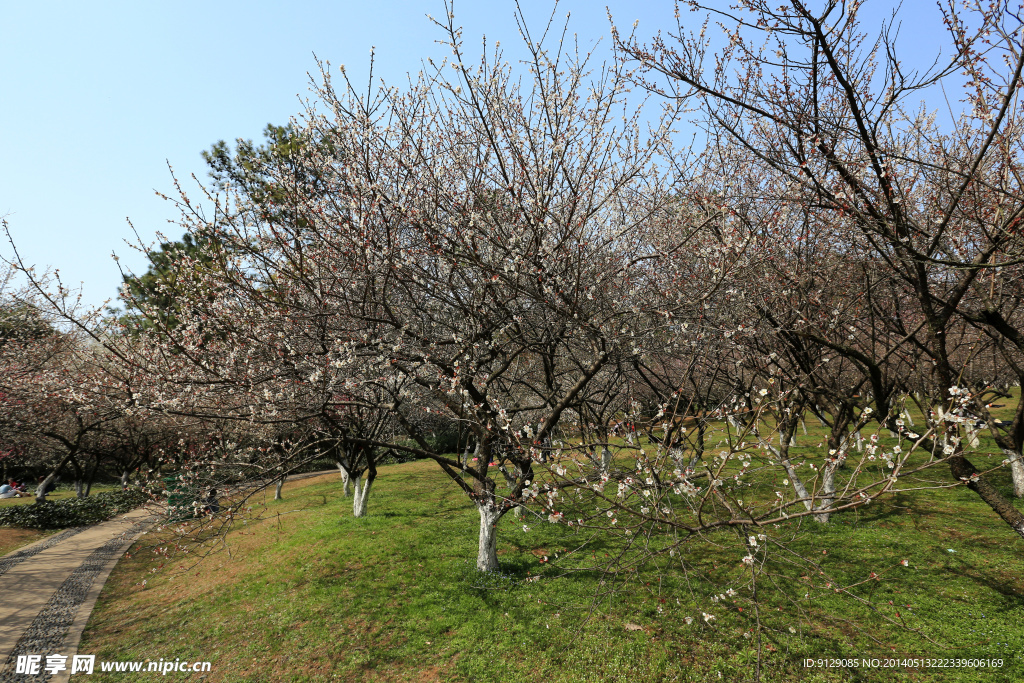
314 594
61 493
12 539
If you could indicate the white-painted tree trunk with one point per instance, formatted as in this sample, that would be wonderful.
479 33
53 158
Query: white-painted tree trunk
40 496
906 416
972 435
938 447
360 496
606 460
1016 471
828 479
794 479
860 442
124 479
79 488
803 423
487 551
346 482
828 490
277 489
698 452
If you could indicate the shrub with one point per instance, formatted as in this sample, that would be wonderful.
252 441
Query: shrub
71 512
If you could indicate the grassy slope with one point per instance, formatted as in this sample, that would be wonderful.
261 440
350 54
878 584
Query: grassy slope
318 595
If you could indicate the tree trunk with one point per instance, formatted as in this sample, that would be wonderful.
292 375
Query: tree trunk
357 488
786 431
345 478
487 551
79 488
606 460
962 469
972 435
91 477
40 496
124 479
828 489
277 489
1017 471
794 479
698 451
362 494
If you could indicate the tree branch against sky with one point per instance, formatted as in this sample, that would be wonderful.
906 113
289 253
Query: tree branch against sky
127 68
510 256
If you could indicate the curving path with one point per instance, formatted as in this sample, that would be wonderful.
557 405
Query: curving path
48 589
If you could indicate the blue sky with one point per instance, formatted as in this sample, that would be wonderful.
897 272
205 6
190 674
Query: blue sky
99 97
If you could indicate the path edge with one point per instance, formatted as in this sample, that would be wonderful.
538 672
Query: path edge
74 635
33 544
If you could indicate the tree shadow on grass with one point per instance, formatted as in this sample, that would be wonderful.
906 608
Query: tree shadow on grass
1008 588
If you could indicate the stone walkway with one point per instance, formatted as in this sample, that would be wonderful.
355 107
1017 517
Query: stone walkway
48 590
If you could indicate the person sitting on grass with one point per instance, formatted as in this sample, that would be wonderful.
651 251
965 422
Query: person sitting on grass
8 491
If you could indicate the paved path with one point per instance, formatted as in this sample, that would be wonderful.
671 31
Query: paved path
45 588
48 589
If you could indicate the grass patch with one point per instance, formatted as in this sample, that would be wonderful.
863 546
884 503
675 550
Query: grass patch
14 539
309 593
70 512
62 493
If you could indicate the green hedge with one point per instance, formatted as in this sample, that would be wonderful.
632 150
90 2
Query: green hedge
61 514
